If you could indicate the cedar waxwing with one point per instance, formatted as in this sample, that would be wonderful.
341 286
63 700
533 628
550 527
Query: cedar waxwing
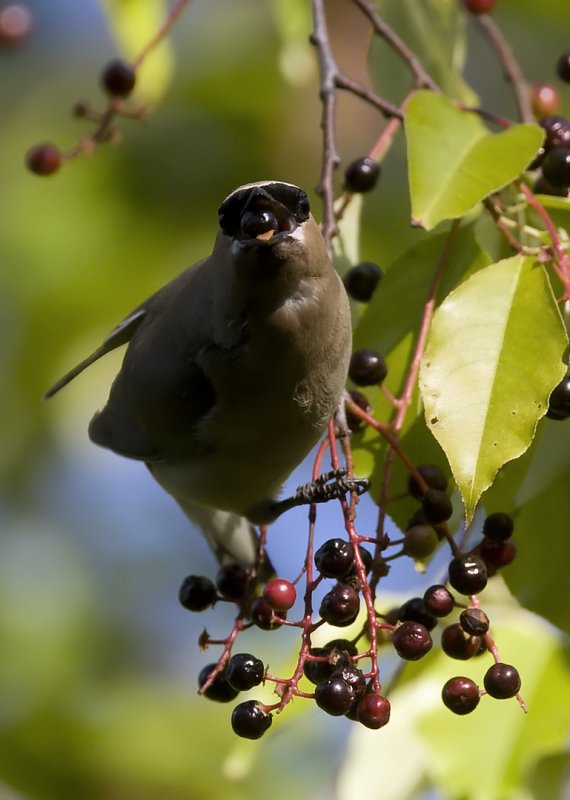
233 369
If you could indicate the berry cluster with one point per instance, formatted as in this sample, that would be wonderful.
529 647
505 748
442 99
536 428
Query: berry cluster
553 158
117 80
342 676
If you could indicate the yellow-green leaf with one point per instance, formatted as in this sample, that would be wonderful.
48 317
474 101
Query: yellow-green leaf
494 355
453 160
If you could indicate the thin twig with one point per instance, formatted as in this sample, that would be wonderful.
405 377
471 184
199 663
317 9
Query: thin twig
512 70
421 77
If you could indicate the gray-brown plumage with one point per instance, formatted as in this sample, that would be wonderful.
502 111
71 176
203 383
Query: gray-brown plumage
234 368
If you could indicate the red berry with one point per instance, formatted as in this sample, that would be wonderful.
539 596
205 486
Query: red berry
479 6
497 554
412 641
280 594
544 99
373 711
44 159
118 78
455 643
15 24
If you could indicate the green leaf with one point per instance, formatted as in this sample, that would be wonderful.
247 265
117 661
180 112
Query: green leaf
535 491
453 160
435 31
390 324
134 23
494 355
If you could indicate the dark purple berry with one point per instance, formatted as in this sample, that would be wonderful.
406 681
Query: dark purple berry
468 574
354 422
498 526
420 541
233 581
415 610
439 601
432 475
563 67
412 641
219 690
362 175
457 644
263 615
354 678
280 594
244 671
361 281
367 368
460 695
556 167
543 187
118 78
338 653
334 696
474 621
340 606
502 681
497 554
44 159
436 506
373 711
197 593
557 132
479 6
367 561
559 402
334 558
249 720
544 99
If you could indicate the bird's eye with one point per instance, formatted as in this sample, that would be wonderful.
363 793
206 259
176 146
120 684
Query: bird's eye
261 223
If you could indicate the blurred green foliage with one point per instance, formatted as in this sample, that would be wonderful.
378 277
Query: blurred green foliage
98 662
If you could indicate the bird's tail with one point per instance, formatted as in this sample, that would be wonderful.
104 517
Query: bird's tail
231 537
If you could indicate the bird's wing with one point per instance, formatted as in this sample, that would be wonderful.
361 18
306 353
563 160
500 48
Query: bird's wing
120 335
162 391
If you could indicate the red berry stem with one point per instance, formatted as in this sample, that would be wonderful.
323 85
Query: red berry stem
562 260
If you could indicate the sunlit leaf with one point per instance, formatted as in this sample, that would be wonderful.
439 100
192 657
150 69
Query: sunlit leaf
390 324
453 160
494 355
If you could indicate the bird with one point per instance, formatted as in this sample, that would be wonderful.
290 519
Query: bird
233 369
